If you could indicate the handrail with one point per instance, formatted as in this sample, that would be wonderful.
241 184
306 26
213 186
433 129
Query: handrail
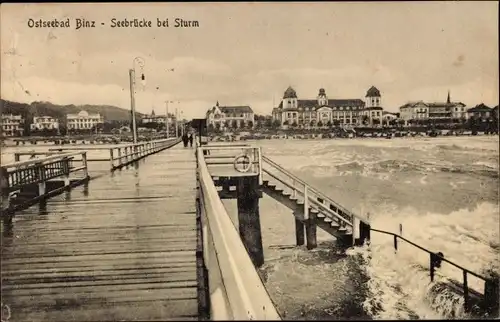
245 292
310 188
317 203
40 160
431 252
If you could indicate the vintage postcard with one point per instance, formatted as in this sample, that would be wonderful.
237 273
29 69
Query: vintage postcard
249 161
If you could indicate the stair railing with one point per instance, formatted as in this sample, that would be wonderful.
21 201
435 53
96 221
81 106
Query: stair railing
345 217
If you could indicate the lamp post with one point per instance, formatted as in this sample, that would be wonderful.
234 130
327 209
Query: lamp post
140 61
176 122
166 120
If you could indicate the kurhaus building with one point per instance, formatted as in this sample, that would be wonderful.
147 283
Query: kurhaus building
323 111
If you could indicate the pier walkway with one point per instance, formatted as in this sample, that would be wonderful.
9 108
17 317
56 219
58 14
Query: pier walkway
121 248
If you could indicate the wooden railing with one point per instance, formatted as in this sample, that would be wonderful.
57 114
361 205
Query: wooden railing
124 154
312 197
235 288
491 285
40 170
243 157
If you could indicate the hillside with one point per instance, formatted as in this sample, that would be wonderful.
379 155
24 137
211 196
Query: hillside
110 113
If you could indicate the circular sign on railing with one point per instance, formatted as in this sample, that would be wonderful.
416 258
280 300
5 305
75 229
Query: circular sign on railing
242 163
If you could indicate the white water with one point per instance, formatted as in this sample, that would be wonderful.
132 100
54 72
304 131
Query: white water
444 192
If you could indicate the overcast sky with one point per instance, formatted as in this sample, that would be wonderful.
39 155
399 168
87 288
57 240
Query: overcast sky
248 54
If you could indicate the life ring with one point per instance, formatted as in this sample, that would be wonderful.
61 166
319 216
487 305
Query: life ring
244 160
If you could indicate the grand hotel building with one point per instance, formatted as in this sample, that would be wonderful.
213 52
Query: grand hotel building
323 111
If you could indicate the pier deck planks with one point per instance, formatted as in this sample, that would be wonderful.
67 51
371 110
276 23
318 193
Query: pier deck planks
122 248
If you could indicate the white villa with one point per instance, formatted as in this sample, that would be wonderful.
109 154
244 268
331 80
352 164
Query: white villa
44 122
12 125
83 120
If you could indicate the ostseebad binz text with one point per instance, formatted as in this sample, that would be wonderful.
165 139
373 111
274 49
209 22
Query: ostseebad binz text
80 23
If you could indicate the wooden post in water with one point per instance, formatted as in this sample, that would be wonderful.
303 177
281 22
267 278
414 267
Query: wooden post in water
299 232
311 231
492 297
249 219
364 233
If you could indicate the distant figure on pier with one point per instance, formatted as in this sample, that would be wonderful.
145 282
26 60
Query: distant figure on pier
191 140
185 140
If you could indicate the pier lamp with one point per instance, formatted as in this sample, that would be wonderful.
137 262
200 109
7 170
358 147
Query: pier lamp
141 62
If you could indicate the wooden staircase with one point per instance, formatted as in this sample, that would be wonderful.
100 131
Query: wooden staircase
308 203
320 217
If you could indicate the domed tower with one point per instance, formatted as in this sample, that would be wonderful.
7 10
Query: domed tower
290 98
373 97
322 98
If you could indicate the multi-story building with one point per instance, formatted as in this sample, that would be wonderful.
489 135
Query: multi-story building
158 119
12 125
438 112
83 120
323 111
44 122
480 111
222 117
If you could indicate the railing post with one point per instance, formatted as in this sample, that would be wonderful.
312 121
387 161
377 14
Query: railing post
260 166
306 203
294 191
431 265
119 152
66 171
42 185
4 184
111 158
466 292
85 164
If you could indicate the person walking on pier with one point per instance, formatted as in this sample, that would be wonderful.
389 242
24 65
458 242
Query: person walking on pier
185 140
191 140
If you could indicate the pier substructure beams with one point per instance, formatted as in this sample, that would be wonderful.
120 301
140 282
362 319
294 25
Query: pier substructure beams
248 195
306 232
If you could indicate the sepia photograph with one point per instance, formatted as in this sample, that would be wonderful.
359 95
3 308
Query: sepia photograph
249 161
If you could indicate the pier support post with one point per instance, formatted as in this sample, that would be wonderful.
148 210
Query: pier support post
249 218
299 232
311 231
364 233
492 296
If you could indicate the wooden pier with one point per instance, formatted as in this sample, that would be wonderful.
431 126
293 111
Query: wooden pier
155 242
